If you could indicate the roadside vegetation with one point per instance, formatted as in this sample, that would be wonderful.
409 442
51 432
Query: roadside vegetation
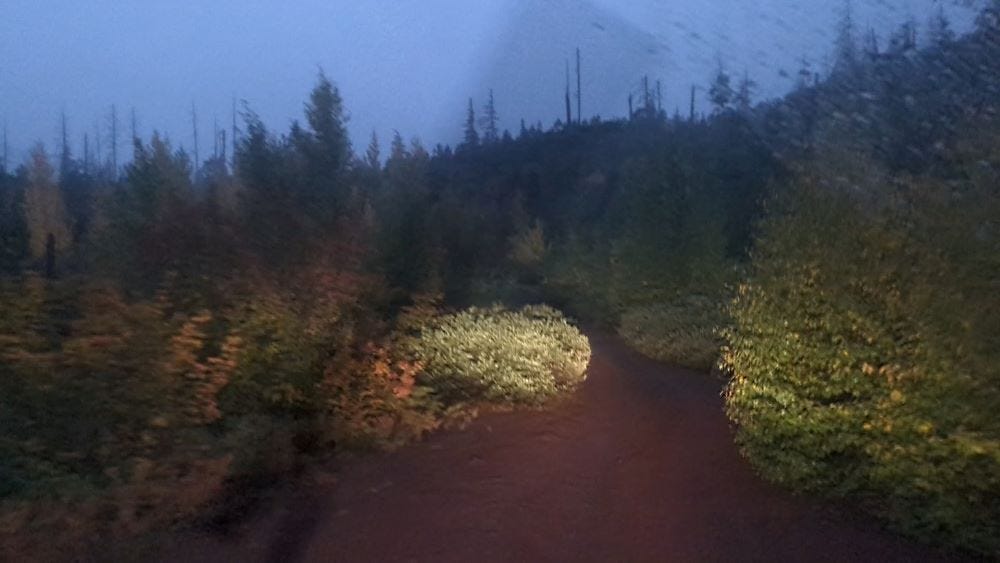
174 332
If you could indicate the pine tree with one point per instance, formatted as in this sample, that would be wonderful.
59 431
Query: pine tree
14 234
330 146
489 121
471 138
846 43
720 93
939 30
397 150
904 39
158 178
65 158
373 155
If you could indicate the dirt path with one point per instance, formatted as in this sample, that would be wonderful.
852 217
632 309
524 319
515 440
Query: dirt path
639 465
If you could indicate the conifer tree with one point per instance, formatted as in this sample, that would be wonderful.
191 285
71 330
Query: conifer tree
720 93
846 43
939 30
14 234
330 147
489 121
373 155
397 150
471 138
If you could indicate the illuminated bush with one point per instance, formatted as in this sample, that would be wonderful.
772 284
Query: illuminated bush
865 351
494 354
682 331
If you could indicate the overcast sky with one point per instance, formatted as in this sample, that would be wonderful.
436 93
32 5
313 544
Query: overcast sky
409 65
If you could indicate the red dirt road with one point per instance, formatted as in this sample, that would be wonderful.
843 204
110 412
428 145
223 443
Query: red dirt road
638 465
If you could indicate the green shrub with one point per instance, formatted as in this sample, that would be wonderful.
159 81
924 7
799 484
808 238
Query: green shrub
865 350
498 355
683 331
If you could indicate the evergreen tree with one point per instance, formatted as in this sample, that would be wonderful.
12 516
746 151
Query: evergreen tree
904 39
14 233
373 155
846 43
720 92
939 30
158 178
324 152
489 121
471 138
397 151
331 147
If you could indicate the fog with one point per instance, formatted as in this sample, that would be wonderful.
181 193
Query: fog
408 65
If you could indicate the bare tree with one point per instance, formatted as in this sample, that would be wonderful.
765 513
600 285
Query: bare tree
113 123
194 127
135 132
579 93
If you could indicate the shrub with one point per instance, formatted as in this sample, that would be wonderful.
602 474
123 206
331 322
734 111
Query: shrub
683 331
864 351
523 356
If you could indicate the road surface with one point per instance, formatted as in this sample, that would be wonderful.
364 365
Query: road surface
638 465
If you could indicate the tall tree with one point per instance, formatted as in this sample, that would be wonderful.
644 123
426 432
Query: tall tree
569 104
194 132
691 115
14 234
491 133
113 126
720 93
579 89
323 155
233 137
939 30
330 147
44 210
65 158
373 154
5 168
870 45
846 45
904 39
158 178
397 149
135 130
471 137
744 92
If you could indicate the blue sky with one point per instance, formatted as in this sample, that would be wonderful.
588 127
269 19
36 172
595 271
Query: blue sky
405 64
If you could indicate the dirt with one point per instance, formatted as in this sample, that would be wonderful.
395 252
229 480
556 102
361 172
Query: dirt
638 465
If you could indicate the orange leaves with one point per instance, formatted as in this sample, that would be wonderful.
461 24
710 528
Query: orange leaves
205 378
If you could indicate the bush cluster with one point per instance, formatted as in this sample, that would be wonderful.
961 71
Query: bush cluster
865 348
494 354
684 331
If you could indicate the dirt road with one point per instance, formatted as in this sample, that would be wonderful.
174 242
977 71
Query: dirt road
638 465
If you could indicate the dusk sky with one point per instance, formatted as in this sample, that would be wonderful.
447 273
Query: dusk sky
408 65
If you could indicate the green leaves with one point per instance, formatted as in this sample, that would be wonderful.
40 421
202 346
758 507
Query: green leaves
854 368
498 355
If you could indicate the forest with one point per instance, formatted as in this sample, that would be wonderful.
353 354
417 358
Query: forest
175 331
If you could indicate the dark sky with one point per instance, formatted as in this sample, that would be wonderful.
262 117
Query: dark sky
409 65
